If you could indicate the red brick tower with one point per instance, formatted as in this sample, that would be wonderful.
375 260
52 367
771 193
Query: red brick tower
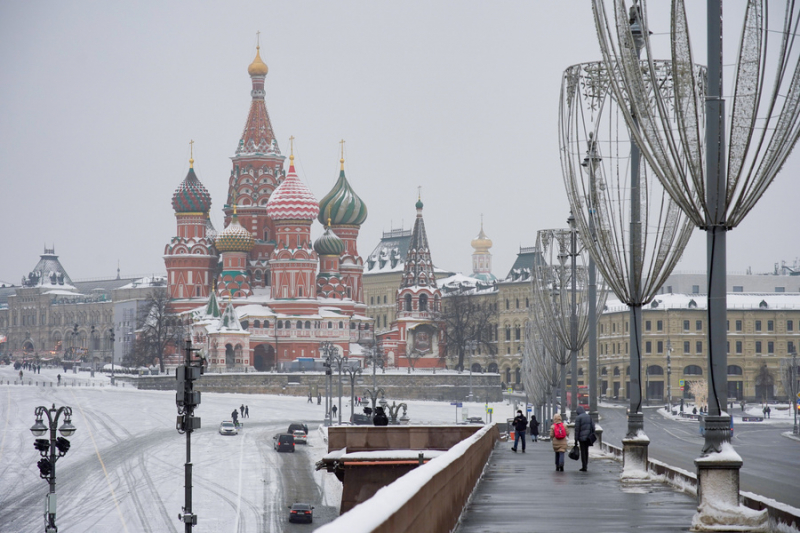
190 257
257 172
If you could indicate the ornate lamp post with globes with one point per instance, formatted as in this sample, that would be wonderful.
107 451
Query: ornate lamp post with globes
51 450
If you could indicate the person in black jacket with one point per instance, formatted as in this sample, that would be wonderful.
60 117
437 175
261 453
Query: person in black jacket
584 428
520 423
534 429
380 418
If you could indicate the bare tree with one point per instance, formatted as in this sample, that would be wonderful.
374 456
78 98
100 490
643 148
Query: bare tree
158 329
467 319
699 389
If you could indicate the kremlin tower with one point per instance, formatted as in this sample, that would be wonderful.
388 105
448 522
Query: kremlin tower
482 258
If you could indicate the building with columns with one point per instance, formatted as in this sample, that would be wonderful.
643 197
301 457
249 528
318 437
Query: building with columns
260 293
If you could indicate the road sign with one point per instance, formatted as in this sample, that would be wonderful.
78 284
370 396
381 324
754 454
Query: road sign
490 410
510 389
530 409
798 395
682 382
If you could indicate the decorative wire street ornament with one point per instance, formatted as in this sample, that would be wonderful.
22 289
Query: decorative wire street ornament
561 296
540 373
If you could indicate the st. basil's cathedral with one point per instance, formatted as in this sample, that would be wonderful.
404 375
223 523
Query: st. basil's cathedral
259 293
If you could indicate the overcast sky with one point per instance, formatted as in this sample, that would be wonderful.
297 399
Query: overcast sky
99 100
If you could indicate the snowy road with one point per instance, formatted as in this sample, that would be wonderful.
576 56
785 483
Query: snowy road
124 471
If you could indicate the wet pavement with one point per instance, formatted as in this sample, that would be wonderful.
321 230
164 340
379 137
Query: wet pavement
523 493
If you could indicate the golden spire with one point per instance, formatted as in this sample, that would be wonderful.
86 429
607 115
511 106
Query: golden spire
258 67
191 154
329 215
341 161
291 150
234 204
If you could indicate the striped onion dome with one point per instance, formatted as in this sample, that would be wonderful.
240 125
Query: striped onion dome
191 196
342 205
329 244
234 238
292 200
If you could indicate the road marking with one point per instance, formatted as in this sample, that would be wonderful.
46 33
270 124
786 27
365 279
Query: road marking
5 427
102 464
239 491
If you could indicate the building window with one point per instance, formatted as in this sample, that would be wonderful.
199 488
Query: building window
685 325
648 347
660 346
695 289
647 325
758 346
790 347
423 302
686 347
517 332
738 288
770 347
699 347
659 325
408 302
698 325
738 325
517 303
780 289
299 325
770 325
507 305
739 347
692 370
527 303
789 325
508 333
371 300
384 298
758 325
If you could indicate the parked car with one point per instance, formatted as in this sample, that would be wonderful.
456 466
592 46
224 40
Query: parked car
474 420
284 442
301 512
297 426
227 427
361 420
300 437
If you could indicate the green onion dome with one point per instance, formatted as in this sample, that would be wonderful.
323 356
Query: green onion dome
234 238
329 244
342 205
191 196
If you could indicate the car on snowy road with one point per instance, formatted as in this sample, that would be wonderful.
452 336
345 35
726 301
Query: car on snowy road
283 442
297 426
301 512
228 428
300 437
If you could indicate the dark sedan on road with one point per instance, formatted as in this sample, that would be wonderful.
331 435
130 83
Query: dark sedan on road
301 512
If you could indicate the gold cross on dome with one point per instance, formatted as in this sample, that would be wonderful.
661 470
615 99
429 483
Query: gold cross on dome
191 154
258 39
291 145
342 143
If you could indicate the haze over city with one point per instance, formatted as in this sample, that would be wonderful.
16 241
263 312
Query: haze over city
101 100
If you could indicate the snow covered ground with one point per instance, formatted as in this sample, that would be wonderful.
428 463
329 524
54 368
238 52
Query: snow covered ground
124 471
780 415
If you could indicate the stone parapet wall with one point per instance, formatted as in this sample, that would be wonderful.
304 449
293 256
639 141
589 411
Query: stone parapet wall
414 386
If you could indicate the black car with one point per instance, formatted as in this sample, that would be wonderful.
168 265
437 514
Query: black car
297 426
301 512
284 442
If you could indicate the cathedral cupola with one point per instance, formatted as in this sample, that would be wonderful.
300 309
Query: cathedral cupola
234 238
292 200
258 67
329 243
191 196
342 204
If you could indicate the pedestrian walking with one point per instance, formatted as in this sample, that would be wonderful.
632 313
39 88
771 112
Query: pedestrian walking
584 435
534 428
558 436
241 409
333 410
309 398
319 399
59 379
20 375
246 411
520 423
769 411
235 417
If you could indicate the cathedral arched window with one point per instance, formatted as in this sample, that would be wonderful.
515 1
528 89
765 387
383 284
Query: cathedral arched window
330 325
423 302
341 325
308 324
408 302
280 324
256 323
299 325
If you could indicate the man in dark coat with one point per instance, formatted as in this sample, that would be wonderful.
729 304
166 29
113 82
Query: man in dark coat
520 423
584 428
380 418
534 429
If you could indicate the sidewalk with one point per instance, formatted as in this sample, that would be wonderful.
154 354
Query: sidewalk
523 493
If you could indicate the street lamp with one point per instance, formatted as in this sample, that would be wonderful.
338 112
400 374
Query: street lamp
795 391
375 358
111 346
669 374
92 342
351 373
51 450
471 350
329 350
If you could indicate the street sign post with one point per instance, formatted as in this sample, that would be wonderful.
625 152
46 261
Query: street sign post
457 404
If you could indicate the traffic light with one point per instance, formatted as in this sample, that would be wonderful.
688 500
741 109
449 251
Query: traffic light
44 467
62 444
42 445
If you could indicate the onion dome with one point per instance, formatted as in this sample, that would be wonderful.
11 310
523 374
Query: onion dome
211 231
342 205
234 238
329 243
292 200
191 196
258 67
481 243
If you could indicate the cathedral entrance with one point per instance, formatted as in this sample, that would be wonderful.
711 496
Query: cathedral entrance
264 358
230 359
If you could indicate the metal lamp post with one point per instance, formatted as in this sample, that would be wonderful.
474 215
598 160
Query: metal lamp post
51 450
590 162
187 399
111 347
795 430
471 350
669 374
329 351
74 338
351 373
92 342
375 358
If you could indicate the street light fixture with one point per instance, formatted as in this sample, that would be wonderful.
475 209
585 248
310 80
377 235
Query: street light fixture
111 342
51 450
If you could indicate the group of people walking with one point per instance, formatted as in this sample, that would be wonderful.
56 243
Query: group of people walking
244 409
583 434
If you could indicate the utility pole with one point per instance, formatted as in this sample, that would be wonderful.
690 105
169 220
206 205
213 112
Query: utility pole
187 399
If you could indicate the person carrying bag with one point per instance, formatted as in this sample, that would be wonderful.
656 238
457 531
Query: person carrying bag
584 437
558 437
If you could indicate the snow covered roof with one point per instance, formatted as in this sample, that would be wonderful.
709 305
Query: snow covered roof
146 282
736 300
469 284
